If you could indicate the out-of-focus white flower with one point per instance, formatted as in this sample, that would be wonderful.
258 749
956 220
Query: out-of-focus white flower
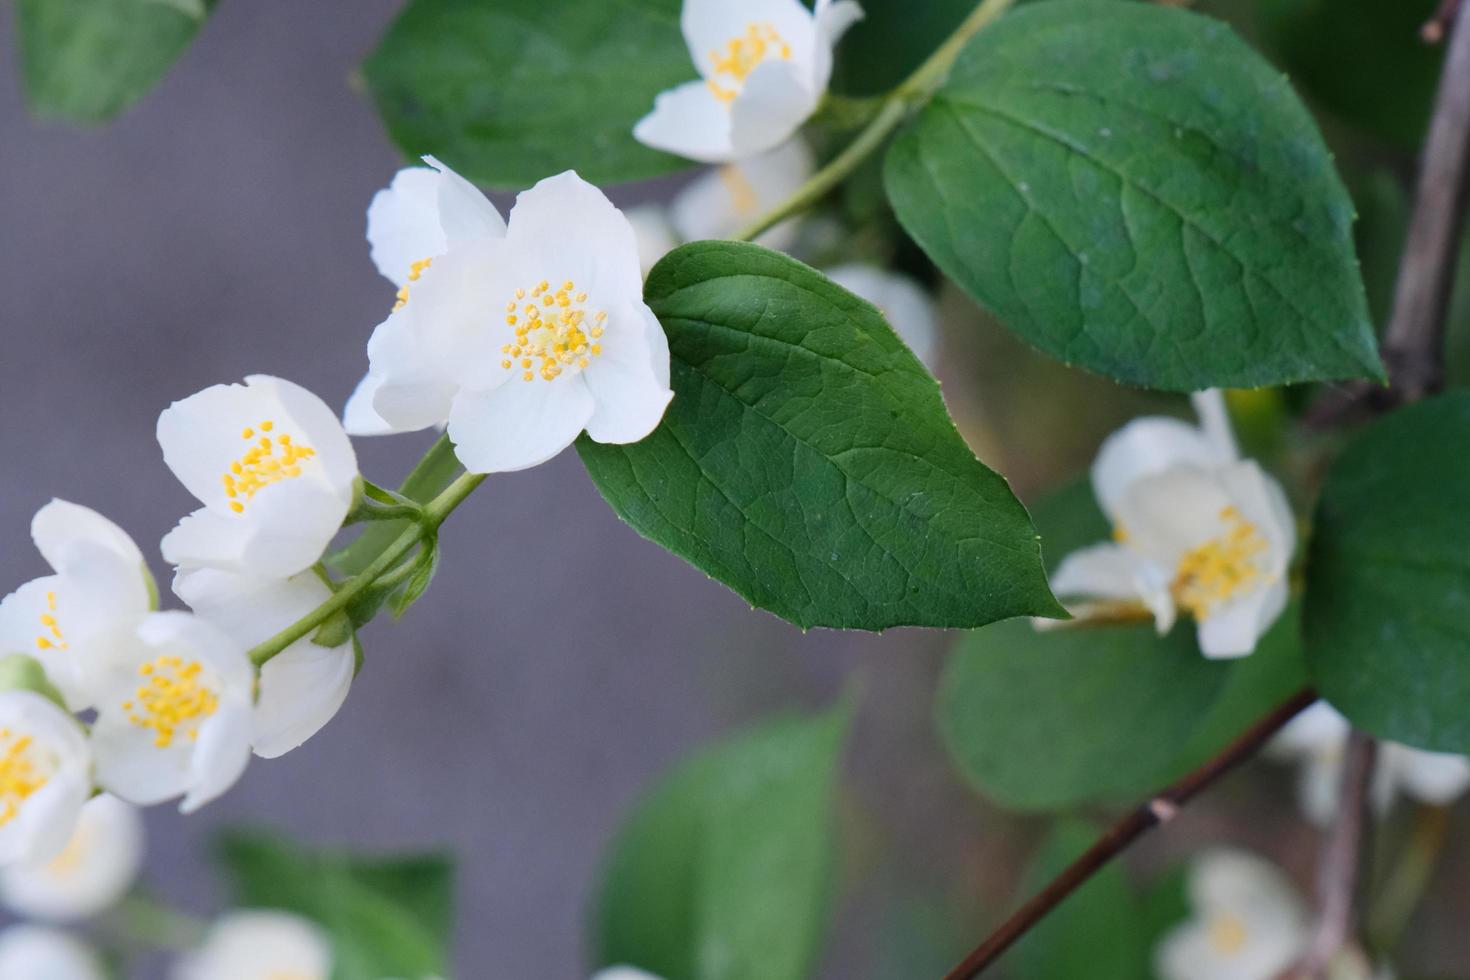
532 338
1195 529
623 973
174 713
29 952
721 201
1317 740
259 945
273 468
764 67
95 868
654 234
45 777
301 687
1247 923
423 213
906 306
101 587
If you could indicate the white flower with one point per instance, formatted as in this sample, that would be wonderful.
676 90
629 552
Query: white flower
623 973
101 587
301 687
273 468
764 66
906 306
45 777
1317 740
173 713
95 868
654 234
30 952
1248 923
1195 528
423 213
721 201
530 338
259 945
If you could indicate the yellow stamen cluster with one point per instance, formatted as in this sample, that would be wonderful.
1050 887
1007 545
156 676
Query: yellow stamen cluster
21 773
270 459
1220 568
1228 934
173 696
552 331
414 271
741 56
50 637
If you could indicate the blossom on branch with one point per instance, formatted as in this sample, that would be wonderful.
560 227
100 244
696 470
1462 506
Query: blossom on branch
1195 528
90 874
45 777
764 67
1247 924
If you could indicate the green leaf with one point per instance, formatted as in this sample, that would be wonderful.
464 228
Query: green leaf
1097 933
1324 45
85 61
807 460
439 468
1388 578
1136 192
386 916
725 871
893 38
512 91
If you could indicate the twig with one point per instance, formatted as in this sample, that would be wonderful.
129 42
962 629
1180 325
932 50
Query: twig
1437 26
1160 809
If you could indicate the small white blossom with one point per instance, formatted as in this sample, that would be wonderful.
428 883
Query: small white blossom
1317 740
101 587
623 973
259 945
1247 923
764 67
30 952
1195 529
303 686
45 777
724 199
95 868
174 713
905 304
273 468
529 339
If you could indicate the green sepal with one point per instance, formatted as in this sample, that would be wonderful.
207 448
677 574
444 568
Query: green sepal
19 672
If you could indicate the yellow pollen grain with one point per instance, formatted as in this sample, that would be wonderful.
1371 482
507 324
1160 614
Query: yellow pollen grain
50 636
1220 568
414 272
21 773
553 334
741 56
174 698
268 461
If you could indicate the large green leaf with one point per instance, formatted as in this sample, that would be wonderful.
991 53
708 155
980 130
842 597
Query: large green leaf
385 916
807 460
1388 578
891 40
1135 191
725 871
511 91
87 60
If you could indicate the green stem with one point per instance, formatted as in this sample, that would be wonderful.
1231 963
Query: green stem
896 106
1399 896
435 512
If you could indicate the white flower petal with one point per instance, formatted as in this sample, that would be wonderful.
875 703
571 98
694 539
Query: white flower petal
770 108
359 417
1261 501
689 121
207 538
249 944
833 21
220 755
905 304
623 973
29 952
711 25
132 767
1103 571
1147 447
1437 778
629 381
1214 420
314 421
44 819
301 689
1234 628
1166 514
60 525
601 257
721 201
403 223
519 424
465 214
409 389
94 870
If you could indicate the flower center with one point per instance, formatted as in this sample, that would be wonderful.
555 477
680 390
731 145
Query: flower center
1227 934
50 637
741 56
270 459
21 773
414 272
1220 568
552 331
173 696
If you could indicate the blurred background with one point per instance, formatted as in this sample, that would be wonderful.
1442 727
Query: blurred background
216 230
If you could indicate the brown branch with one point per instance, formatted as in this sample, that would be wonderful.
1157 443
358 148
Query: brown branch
1159 810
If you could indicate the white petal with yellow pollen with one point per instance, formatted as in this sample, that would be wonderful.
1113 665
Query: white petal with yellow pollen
273 468
45 777
303 686
724 199
1147 447
773 104
174 713
93 871
690 121
30 952
255 944
422 214
1247 924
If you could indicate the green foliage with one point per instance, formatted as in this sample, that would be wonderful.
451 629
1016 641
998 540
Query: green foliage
725 871
1136 192
512 91
807 460
893 38
1388 587
439 468
386 916
85 61
1326 45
